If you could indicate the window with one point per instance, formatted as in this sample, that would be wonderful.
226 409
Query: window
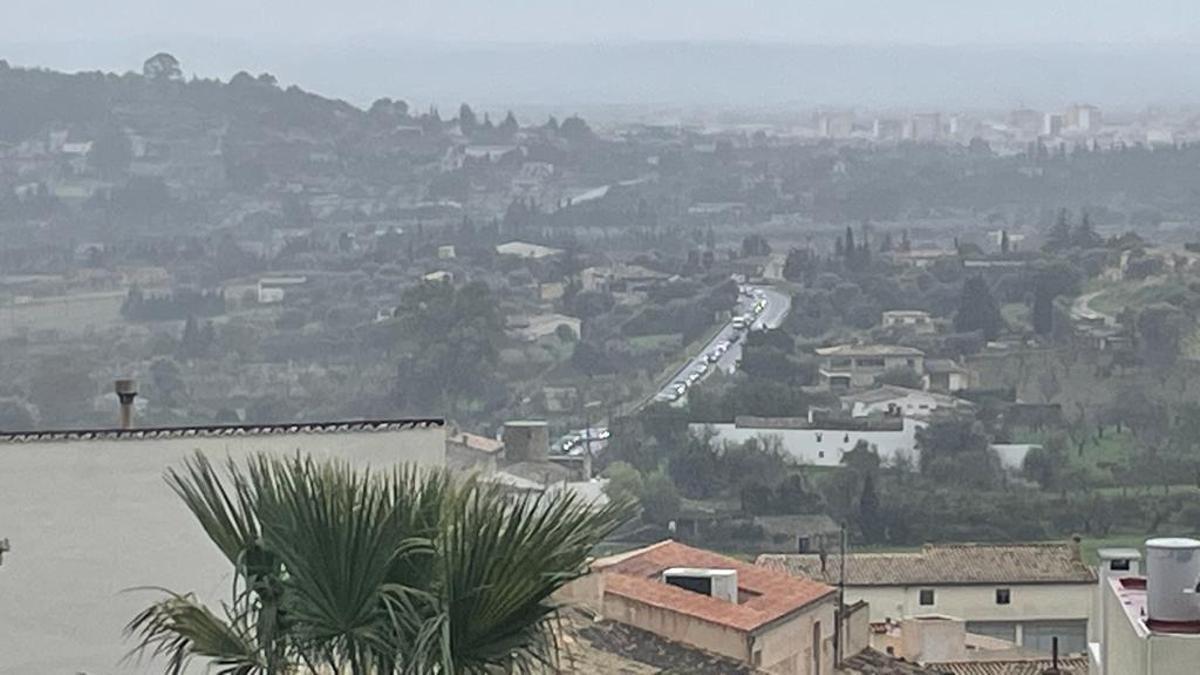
757 658
816 647
1118 565
821 454
926 597
1003 596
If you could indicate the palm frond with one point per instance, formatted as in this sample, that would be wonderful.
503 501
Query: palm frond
179 628
502 560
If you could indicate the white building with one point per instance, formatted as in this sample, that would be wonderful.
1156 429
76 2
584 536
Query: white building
1024 593
925 127
89 517
915 320
1085 118
1148 625
901 400
520 249
273 289
946 376
821 444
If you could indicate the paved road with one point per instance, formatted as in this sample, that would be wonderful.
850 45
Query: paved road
778 304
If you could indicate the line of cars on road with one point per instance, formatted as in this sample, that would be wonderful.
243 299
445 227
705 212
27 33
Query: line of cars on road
575 442
740 323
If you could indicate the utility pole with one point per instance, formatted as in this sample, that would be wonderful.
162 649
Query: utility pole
839 630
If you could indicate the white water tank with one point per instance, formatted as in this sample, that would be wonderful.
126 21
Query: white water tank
1172 574
719 584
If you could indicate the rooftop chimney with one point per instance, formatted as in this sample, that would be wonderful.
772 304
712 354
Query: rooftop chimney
126 391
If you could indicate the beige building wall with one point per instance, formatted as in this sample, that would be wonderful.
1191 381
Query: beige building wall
858 628
679 627
787 649
782 649
90 520
1029 602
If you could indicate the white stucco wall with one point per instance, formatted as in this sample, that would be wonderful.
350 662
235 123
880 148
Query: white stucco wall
1129 648
1029 602
823 447
89 520
787 649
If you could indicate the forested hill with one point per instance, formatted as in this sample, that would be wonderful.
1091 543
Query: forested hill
34 97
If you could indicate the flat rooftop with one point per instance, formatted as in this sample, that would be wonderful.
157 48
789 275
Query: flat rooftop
1132 593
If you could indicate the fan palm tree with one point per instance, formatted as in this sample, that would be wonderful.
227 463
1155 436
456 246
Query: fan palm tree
346 571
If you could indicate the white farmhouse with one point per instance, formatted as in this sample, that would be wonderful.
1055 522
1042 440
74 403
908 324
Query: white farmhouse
822 442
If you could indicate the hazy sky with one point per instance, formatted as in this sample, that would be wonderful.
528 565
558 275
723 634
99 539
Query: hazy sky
744 53
809 21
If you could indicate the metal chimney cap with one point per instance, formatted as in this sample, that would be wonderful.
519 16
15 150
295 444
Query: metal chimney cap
125 386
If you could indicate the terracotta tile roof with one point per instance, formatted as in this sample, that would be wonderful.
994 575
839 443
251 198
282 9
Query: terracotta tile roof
872 662
476 442
1076 665
944 564
771 594
213 430
604 647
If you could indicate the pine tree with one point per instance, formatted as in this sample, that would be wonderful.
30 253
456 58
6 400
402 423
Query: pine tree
509 127
977 310
467 122
1059 237
191 344
1085 236
1043 311
886 245
868 510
